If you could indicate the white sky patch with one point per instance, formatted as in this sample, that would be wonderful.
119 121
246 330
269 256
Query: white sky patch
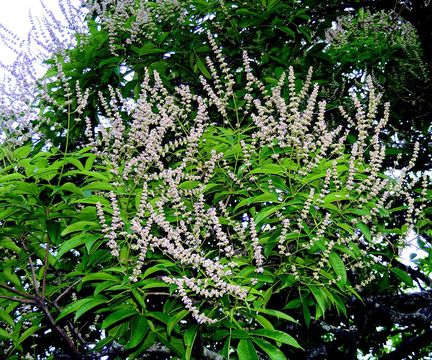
14 15
412 248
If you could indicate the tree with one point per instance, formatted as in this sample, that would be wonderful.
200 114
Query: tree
183 193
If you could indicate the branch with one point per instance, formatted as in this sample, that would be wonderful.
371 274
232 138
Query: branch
415 273
21 300
410 346
413 311
69 288
59 330
21 293
156 349
407 309
71 326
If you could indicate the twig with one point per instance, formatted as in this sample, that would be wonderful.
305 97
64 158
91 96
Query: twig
162 349
45 270
157 293
35 283
69 288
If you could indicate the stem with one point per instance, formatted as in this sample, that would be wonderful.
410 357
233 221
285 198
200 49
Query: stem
45 270
35 283
59 330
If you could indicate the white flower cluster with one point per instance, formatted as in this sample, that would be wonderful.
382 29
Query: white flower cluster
166 145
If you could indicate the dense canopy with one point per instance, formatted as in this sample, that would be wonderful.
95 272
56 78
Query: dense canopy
217 179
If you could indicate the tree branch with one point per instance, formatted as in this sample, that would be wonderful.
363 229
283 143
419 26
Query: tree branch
21 300
21 293
410 346
68 341
415 273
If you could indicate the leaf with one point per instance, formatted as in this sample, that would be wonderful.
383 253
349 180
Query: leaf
340 305
306 313
22 188
22 152
6 243
71 188
360 13
278 314
89 174
305 31
365 230
80 226
202 68
117 316
152 283
99 299
100 276
402 275
148 342
189 184
175 319
88 306
266 212
336 196
102 286
278 336
29 332
147 49
139 329
173 343
272 351
338 266
320 297
4 316
266 197
113 61
12 277
138 297
264 322
269 169
74 162
246 350
162 317
75 242
156 268
53 229
239 334
11 177
189 337
287 31
5 334
98 185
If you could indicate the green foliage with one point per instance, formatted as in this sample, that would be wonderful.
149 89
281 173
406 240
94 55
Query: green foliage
75 265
